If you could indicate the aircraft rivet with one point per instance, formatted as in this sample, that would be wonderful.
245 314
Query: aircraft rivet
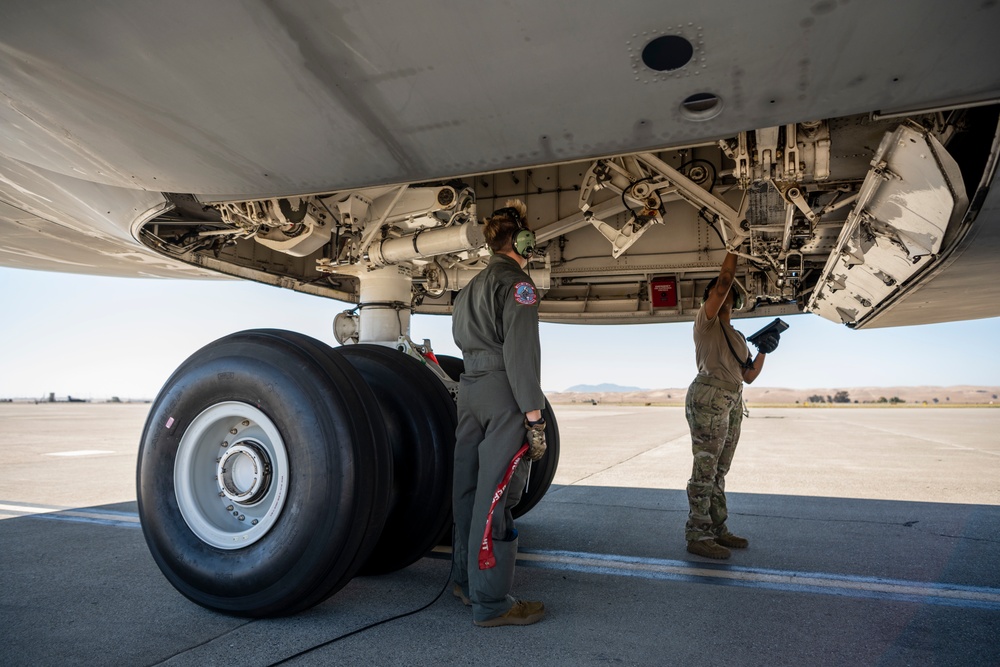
254 522
225 443
233 431
236 513
222 494
229 508
242 517
246 422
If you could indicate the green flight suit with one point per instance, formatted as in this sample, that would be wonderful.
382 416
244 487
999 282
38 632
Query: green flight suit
495 324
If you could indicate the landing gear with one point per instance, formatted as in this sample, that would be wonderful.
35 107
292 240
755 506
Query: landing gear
274 468
263 479
419 415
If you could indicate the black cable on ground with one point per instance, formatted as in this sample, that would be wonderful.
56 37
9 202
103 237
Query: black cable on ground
370 625
199 645
326 643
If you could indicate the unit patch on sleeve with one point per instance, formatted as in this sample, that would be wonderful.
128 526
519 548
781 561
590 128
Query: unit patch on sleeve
524 294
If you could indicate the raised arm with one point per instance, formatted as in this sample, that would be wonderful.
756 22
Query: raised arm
717 295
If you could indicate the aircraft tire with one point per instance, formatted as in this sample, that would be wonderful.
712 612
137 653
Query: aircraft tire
542 471
420 418
292 434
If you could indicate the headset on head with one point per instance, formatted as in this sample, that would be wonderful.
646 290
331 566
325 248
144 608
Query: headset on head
523 239
737 301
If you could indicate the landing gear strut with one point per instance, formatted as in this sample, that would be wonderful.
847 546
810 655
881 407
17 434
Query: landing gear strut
274 468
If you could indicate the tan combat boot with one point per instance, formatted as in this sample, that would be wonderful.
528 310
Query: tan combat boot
708 549
732 541
523 612
456 590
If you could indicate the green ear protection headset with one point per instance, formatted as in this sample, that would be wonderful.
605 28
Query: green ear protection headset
523 239
737 302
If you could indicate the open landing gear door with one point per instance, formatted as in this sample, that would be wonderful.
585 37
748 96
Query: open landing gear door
899 225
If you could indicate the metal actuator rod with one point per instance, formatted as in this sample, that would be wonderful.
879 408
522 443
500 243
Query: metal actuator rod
427 243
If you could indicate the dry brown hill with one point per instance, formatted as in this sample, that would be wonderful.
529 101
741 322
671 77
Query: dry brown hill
942 396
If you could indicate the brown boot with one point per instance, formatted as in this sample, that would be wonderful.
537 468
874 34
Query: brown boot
708 549
732 541
523 612
456 590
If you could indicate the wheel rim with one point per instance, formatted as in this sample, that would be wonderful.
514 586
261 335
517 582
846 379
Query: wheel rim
231 475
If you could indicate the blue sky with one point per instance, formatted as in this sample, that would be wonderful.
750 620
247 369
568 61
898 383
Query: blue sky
93 337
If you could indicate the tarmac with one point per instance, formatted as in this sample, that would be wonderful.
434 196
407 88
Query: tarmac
874 540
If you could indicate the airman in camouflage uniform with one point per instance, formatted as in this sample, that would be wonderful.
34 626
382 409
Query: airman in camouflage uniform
714 411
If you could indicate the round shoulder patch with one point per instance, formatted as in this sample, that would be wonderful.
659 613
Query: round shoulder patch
524 294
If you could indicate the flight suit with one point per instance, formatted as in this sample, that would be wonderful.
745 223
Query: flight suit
495 324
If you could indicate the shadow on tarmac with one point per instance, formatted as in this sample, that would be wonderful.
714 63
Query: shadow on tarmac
825 581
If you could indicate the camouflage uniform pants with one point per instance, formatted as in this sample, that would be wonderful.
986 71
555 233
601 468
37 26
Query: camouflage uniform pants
714 415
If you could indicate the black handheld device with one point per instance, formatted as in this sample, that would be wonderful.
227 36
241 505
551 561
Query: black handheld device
776 327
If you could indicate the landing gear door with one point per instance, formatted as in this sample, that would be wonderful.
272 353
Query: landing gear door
912 194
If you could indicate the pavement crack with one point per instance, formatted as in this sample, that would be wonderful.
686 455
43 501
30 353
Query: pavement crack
200 644
890 431
622 462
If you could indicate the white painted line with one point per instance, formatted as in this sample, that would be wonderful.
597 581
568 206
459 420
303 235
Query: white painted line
803 582
653 568
70 514
26 509
777 578
104 516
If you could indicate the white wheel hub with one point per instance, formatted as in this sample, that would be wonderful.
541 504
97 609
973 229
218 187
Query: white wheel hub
231 475
245 472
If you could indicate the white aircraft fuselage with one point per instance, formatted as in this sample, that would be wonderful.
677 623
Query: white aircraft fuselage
109 106
846 151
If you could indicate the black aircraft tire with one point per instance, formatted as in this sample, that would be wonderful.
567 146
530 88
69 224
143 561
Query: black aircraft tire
420 418
307 474
543 471
452 366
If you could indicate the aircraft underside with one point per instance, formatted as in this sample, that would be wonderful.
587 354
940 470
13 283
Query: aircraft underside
351 150
844 216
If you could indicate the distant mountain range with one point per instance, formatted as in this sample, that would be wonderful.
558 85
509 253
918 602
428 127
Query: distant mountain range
601 388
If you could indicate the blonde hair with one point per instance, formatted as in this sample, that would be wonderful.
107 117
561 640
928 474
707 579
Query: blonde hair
499 230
